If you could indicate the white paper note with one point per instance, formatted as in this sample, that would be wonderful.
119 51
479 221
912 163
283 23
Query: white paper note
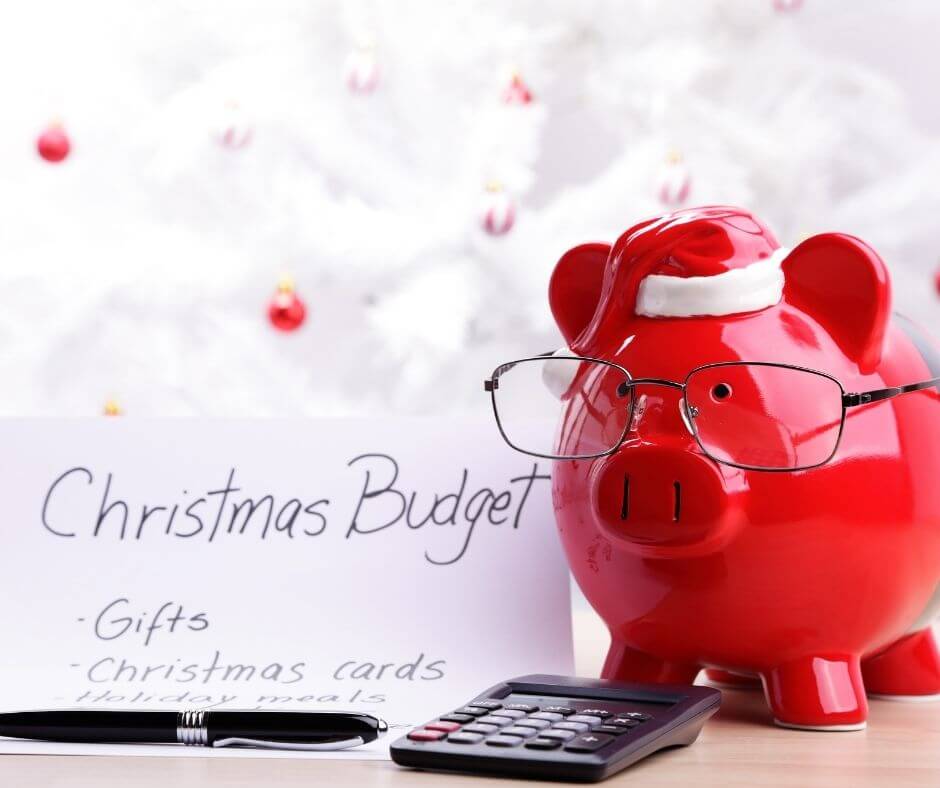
396 568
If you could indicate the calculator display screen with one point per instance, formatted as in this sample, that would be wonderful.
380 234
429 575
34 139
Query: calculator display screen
622 705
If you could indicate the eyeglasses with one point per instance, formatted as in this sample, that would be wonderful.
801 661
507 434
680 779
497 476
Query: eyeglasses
758 416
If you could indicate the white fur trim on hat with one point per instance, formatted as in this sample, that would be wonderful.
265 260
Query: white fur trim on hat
756 286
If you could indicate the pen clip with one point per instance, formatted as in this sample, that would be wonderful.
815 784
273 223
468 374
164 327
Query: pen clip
240 741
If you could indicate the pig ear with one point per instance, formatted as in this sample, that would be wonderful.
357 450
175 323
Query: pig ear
842 283
575 288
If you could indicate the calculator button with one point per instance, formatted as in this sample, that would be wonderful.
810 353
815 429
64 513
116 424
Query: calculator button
489 719
588 742
487 704
635 715
473 710
522 707
613 730
577 727
442 725
563 710
548 716
588 719
537 724
602 713
518 730
458 717
542 743
558 735
621 723
511 713
425 735
465 738
486 730
503 741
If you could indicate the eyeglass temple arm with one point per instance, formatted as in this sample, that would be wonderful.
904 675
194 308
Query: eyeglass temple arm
863 398
492 383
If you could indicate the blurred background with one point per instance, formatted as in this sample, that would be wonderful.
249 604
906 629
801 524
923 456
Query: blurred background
323 208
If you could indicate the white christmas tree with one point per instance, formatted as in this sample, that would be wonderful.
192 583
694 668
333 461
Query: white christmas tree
217 146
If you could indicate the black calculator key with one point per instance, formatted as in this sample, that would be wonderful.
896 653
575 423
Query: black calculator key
635 715
473 710
577 727
513 714
486 730
602 713
489 719
528 722
465 738
588 719
563 710
558 735
487 704
522 707
613 730
518 730
622 723
457 717
548 716
542 743
503 741
588 742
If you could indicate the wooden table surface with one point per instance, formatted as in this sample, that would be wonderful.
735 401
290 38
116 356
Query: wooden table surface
738 746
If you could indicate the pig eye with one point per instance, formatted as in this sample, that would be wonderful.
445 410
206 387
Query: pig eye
720 392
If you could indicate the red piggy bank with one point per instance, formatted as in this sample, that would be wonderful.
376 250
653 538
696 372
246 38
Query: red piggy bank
746 462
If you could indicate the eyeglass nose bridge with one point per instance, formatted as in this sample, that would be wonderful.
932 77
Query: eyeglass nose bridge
686 411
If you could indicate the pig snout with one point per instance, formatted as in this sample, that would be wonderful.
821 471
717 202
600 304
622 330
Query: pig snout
662 500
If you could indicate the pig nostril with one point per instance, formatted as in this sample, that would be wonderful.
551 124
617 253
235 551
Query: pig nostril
625 503
677 501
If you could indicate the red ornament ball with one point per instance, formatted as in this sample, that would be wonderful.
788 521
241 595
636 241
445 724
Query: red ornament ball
498 214
232 128
361 70
675 182
286 311
53 144
517 92
936 280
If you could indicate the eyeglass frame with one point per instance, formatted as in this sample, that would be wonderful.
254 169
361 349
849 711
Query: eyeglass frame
849 400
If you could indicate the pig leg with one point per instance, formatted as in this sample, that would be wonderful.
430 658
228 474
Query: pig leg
817 693
729 680
626 664
908 670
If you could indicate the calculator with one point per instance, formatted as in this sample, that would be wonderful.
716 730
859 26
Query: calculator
558 728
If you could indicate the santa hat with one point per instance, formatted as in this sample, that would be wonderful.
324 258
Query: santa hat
710 261
703 261
717 261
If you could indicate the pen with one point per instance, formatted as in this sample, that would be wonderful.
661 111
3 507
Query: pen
281 730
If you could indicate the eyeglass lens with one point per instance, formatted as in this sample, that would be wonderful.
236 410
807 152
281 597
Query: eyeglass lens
563 407
765 416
